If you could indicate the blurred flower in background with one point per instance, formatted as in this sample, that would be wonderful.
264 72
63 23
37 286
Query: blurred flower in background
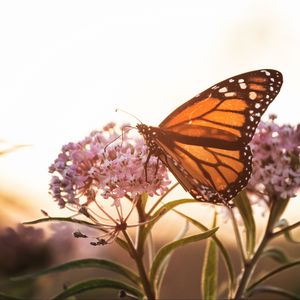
25 248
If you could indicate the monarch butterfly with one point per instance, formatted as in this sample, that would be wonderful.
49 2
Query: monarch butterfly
204 142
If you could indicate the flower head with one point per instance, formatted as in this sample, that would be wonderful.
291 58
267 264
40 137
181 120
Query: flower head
276 160
107 164
100 167
276 166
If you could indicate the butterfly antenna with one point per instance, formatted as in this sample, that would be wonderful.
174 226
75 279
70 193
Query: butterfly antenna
126 112
121 135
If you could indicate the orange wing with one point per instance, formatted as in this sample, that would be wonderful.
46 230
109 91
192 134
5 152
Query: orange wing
208 174
227 112
204 141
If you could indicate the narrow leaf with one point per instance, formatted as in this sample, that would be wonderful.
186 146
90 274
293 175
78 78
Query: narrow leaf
165 251
286 230
272 273
278 206
275 290
221 247
210 269
243 204
163 210
276 254
100 283
86 263
59 219
166 261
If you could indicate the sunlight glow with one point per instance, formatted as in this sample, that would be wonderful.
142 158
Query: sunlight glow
65 71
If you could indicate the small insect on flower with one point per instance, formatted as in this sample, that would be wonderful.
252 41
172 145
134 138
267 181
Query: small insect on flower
103 170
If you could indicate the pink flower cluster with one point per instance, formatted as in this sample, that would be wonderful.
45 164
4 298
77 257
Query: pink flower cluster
276 160
107 164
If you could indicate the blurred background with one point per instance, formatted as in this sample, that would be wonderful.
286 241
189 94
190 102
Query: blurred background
65 66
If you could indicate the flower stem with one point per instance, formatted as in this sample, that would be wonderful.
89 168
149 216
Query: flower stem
249 268
140 265
237 235
249 265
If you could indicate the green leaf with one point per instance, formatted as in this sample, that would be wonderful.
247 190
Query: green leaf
159 200
278 206
275 290
51 219
210 269
98 283
285 229
243 204
163 210
276 254
118 240
272 273
86 263
221 247
166 261
167 249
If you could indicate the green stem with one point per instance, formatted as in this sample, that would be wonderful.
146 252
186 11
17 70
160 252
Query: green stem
237 235
140 229
249 268
140 265
250 265
272 273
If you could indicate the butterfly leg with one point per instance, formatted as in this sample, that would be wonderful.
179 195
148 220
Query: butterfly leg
157 165
146 165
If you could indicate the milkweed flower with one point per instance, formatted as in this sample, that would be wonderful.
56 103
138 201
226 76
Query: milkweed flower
107 164
276 160
275 164
98 166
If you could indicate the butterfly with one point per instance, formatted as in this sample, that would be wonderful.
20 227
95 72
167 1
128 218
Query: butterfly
204 142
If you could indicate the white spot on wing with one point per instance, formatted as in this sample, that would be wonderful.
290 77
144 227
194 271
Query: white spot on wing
266 72
257 105
230 94
252 95
223 90
243 85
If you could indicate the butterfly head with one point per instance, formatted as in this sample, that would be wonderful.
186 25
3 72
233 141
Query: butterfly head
149 134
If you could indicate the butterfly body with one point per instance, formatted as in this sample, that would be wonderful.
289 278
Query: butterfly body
204 142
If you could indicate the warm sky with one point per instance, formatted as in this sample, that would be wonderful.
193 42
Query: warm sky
65 66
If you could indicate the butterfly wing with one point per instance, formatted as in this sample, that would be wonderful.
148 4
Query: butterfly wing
228 111
204 141
209 174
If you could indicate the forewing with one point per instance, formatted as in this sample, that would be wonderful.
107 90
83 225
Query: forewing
229 110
